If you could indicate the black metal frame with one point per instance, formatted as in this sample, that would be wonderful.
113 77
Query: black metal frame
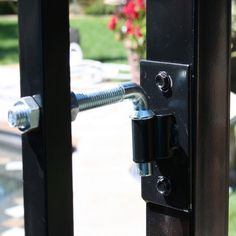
196 33
47 162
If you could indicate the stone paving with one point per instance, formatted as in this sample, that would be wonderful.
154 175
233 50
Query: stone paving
107 195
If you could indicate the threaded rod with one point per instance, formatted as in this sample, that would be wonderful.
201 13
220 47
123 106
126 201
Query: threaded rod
18 116
98 99
124 91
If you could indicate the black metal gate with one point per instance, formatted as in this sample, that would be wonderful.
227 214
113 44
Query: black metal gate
44 62
196 33
189 41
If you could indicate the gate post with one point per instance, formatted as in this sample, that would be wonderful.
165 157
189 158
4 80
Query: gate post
196 33
47 161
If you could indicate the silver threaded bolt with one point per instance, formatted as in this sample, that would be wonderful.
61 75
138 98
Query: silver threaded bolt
18 116
25 113
124 91
101 98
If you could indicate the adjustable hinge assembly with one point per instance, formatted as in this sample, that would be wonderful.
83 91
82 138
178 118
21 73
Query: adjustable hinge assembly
154 135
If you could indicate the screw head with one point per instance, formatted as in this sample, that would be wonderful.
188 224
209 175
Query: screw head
163 81
163 186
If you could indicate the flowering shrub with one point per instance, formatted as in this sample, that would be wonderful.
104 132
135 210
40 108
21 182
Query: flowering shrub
129 25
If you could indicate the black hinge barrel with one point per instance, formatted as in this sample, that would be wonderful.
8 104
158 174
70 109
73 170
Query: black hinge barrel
153 138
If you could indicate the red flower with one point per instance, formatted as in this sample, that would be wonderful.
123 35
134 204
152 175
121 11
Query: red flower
129 10
112 23
129 27
137 32
141 4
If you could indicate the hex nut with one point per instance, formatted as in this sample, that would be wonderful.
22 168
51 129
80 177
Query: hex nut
24 114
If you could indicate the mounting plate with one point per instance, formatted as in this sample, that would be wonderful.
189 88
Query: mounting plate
176 101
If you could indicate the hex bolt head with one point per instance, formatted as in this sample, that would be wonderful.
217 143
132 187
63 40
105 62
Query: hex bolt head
163 81
163 186
24 114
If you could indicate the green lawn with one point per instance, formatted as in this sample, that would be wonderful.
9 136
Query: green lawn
97 41
8 41
232 215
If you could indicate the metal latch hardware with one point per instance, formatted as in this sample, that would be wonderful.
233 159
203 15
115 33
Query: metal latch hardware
153 139
26 111
168 86
153 134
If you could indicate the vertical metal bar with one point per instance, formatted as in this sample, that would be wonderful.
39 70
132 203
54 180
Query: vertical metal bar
197 33
170 35
169 39
211 139
47 163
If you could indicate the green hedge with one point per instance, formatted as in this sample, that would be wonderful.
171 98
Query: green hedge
99 8
7 8
85 3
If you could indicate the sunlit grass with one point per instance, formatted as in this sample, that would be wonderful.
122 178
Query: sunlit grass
232 215
97 41
8 41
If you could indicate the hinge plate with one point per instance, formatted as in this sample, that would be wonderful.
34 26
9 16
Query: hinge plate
178 102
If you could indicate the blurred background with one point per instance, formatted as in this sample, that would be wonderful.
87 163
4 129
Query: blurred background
107 41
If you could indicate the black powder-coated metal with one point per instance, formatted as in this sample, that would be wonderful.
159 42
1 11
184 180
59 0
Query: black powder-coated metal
162 221
154 138
170 35
211 118
196 33
166 136
143 140
177 167
47 162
